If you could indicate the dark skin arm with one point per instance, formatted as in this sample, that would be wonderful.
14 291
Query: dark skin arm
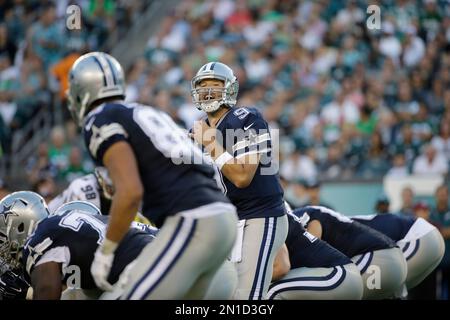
281 264
315 228
123 169
46 281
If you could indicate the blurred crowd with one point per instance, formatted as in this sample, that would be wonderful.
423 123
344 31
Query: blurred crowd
36 53
351 103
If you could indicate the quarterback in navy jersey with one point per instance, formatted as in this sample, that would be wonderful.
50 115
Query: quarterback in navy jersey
370 250
316 269
421 243
149 160
239 141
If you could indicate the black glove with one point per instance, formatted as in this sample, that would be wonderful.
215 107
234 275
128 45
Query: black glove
13 286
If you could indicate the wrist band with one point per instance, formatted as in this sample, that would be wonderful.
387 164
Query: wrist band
222 159
109 246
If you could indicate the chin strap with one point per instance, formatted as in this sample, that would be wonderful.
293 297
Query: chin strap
210 107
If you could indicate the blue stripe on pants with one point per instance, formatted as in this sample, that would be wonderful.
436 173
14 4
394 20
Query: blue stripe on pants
161 255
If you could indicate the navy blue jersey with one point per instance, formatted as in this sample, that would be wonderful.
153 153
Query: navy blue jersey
173 170
394 226
72 239
305 250
244 132
349 237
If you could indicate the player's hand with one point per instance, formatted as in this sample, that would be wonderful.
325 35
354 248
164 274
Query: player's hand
202 133
13 286
101 267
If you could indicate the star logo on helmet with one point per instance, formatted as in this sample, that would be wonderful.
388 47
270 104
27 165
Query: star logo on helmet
6 212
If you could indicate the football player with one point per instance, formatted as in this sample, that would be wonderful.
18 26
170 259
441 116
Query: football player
317 270
96 188
148 158
51 249
421 242
379 260
239 141
65 242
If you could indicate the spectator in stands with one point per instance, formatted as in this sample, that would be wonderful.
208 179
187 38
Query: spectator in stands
59 150
313 188
430 162
441 142
31 94
382 204
334 165
60 70
389 45
4 190
407 144
73 137
367 124
7 45
405 107
422 210
40 165
295 193
413 48
9 83
46 36
298 166
46 187
441 218
434 98
421 125
375 161
399 168
76 168
407 196
337 114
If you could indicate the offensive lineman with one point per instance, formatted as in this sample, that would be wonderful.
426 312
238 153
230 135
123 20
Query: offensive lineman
317 270
380 262
421 242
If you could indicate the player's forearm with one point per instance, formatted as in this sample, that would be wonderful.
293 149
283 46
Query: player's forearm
281 265
46 281
123 210
239 171
315 228
128 192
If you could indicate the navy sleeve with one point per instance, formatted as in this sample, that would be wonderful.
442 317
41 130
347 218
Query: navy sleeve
102 130
38 244
250 133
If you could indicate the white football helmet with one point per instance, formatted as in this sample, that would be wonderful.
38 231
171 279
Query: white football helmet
228 93
20 212
93 76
